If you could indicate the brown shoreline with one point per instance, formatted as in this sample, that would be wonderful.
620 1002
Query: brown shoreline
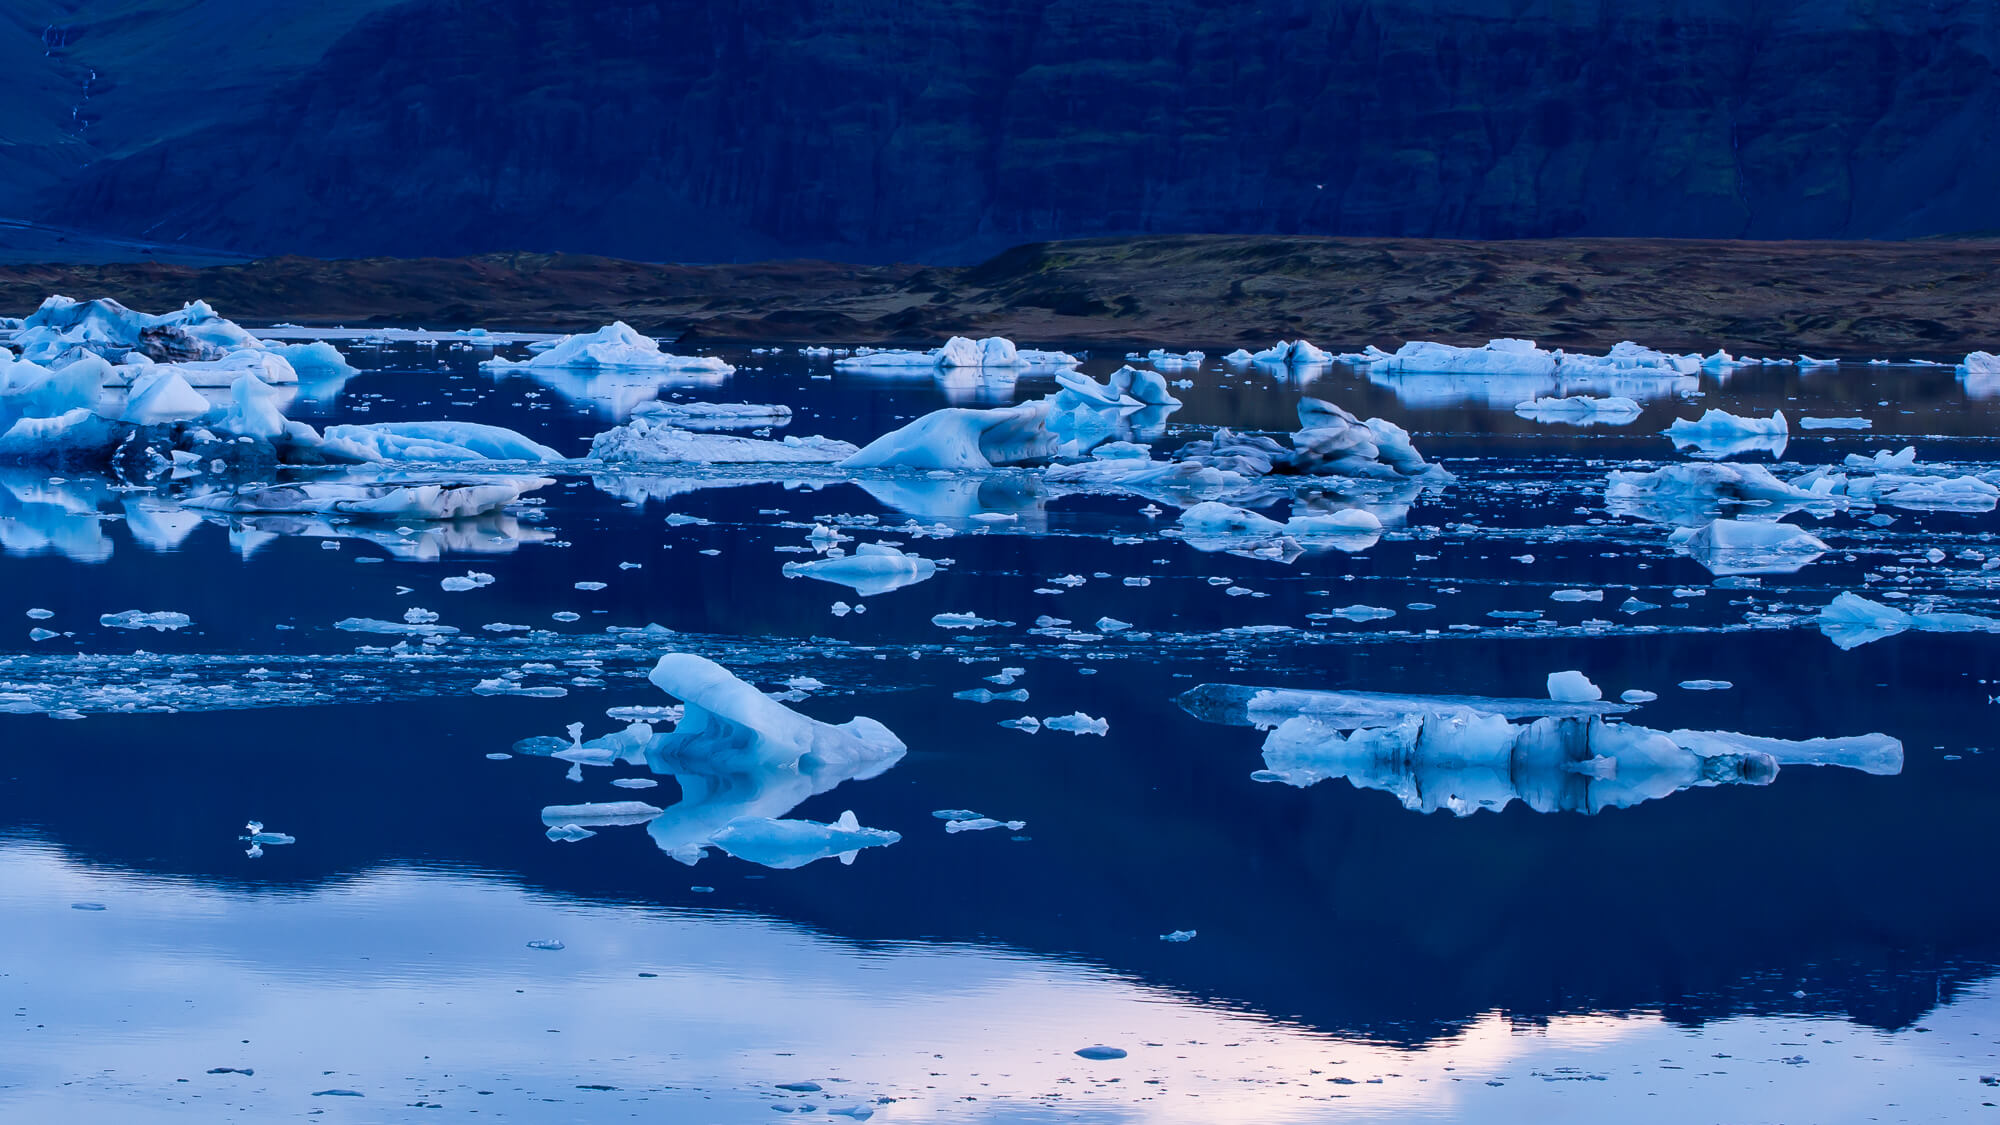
1936 299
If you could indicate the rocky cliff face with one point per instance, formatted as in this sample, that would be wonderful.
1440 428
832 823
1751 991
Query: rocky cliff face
884 129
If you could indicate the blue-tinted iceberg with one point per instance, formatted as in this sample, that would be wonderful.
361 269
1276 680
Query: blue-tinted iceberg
647 441
963 438
873 568
615 346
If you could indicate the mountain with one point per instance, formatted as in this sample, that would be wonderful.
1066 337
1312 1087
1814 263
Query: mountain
878 130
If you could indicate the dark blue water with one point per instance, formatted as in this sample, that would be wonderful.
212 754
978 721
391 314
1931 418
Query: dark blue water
1819 948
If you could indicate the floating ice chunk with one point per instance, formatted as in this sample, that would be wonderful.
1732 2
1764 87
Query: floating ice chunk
615 346
163 621
982 824
437 441
1638 695
1580 410
966 621
1981 363
958 352
1728 546
646 441
568 833
379 500
1835 424
601 813
1682 493
1100 1053
786 844
1171 361
987 695
1347 521
500 685
1721 431
955 814
163 397
1212 518
1363 613
548 944
1078 723
1877 754
635 783
393 628
1027 723
1628 359
1706 685
1293 353
1179 936
1112 625
471 580
313 359
1241 357
963 438
1241 705
873 568
1090 391
1809 361
714 415
1577 596
1573 687
1851 621
1498 357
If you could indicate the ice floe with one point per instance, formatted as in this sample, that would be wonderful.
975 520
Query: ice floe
714 415
963 438
1580 410
1851 621
1728 546
958 352
615 346
647 441
872 569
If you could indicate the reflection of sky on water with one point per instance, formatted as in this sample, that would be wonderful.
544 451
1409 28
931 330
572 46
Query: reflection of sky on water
1330 920
409 987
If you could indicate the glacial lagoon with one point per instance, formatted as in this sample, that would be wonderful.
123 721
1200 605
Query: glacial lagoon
396 818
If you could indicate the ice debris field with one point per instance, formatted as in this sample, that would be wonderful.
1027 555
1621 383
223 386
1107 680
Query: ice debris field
803 634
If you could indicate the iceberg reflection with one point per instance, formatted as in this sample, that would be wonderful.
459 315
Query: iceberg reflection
742 760
1464 753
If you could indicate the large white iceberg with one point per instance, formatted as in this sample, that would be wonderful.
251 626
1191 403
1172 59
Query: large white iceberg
963 438
436 441
873 568
646 441
1579 410
403 500
1727 546
958 352
1722 434
62 330
615 346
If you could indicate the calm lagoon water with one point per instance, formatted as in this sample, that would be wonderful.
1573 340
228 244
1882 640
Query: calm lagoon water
1819 947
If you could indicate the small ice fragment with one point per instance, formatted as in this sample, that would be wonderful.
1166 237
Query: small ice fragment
568 833
955 814
1577 596
498 756
1138 582
86 906
1078 723
590 585
1638 695
40 614
1101 1053
965 621
566 615
1112 625
983 823
1635 606
550 944
987 695
1706 685
471 580
42 634
1573 687
635 783
1178 936
417 615
137 619
1363 613
1025 723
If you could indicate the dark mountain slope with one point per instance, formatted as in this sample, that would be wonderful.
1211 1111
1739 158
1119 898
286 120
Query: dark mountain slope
877 130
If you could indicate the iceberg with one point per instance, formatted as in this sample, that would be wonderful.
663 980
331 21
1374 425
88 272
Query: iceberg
786 844
416 500
1127 386
1580 410
436 441
162 398
959 437
1497 357
1727 546
874 568
1851 621
1266 707
1721 434
62 330
1980 363
1292 353
958 352
161 622
616 346
1690 494
714 415
645 441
